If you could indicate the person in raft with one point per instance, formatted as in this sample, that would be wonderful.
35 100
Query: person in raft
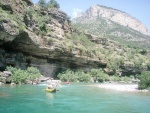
49 86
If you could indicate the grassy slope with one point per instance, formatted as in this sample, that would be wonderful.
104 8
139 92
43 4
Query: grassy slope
110 30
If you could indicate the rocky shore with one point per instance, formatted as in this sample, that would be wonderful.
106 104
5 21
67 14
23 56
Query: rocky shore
121 87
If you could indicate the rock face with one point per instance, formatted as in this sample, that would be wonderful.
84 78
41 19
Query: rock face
116 16
38 34
20 28
115 25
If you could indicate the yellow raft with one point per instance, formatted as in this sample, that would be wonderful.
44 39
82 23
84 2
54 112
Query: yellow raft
50 90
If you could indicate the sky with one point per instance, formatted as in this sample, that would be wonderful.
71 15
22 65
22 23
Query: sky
139 9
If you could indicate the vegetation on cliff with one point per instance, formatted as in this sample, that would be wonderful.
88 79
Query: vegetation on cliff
114 58
110 30
50 4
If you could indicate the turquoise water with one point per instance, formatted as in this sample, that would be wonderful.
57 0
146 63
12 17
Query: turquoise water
76 98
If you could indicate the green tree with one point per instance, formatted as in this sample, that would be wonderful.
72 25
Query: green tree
144 80
99 75
148 66
68 75
53 3
74 76
82 76
20 76
42 3
33 73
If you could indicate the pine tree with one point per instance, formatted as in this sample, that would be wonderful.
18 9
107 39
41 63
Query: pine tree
42 3
53 3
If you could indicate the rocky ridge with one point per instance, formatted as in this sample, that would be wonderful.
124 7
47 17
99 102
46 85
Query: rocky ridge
114 24
116 16
23 29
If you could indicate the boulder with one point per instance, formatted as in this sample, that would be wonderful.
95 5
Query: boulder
12 84
6 74
43 79
28 82
1 83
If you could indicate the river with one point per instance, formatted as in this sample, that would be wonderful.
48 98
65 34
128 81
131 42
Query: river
74 98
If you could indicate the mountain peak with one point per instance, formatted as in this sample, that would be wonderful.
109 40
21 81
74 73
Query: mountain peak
116 16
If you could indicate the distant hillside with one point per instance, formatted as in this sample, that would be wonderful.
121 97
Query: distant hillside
114 24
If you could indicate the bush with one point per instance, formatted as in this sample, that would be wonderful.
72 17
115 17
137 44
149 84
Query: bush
126 79
99 75
67 75
148 66
83 77
42 3
115 78
21 76
113 64
52 4
144 80
96 74
79 75
72 76
33 73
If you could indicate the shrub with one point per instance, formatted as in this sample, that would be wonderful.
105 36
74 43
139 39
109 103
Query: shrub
99 75
29 12
115 78
126 79
148 66
68 75
20 76
11 69
113 64
144 80
73 76
33 73
0 3
83 77
53 3
42 3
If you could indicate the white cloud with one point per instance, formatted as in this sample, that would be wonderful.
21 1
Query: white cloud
76 13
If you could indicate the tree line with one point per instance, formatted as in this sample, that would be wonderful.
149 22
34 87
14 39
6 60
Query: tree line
49 4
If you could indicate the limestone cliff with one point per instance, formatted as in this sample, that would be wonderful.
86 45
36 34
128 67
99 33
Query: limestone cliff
25 28
115 16
114 24
40 34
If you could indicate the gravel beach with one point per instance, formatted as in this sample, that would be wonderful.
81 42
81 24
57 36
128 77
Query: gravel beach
122 87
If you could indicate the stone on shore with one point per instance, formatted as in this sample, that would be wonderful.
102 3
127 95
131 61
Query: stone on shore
122 87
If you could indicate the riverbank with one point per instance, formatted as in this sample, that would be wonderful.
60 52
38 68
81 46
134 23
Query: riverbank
121 87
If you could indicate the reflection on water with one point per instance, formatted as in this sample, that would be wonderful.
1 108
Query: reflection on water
3 94
49 95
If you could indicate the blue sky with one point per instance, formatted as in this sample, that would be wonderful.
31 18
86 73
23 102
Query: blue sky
139 9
